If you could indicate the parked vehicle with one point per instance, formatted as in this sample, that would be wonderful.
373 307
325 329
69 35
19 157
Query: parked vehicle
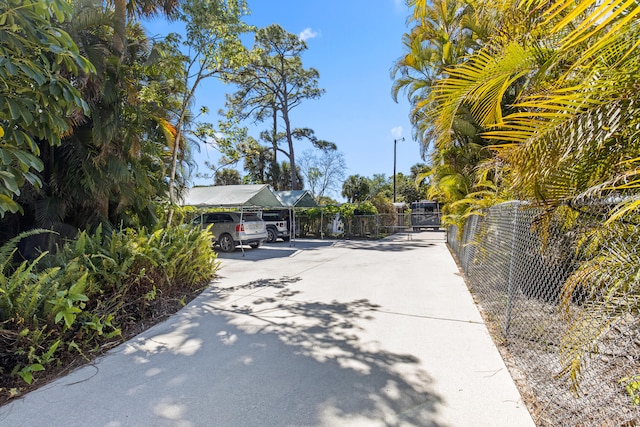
231 229
278 224
425 214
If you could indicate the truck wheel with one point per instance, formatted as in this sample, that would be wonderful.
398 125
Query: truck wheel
226 243
271 235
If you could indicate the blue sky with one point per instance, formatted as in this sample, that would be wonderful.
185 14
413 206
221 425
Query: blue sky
353 45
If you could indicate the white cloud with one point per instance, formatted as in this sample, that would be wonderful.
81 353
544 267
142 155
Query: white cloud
396 132
307 34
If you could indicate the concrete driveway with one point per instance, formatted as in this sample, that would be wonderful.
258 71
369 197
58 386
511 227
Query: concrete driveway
323 333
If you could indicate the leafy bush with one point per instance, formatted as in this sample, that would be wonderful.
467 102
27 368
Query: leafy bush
181 214
24 309
92 291
24 292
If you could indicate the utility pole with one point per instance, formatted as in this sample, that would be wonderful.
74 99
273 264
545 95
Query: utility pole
394 166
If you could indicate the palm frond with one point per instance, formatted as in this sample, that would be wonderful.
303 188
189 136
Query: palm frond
589 17
481 84
610 281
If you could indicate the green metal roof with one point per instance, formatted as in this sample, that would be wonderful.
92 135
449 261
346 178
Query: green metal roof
254 196
297 199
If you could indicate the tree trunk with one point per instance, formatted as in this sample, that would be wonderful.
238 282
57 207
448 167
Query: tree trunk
172 177
176 145
292 160
274 134
274 143
120 26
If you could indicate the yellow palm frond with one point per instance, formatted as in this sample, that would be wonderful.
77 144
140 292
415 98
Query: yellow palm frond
168 130
590 17
480 83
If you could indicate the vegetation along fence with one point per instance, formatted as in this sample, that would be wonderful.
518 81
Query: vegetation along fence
352 227
560 291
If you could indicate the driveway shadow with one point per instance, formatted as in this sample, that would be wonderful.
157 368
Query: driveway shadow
274 250
384 245
395 243
358 378
279 362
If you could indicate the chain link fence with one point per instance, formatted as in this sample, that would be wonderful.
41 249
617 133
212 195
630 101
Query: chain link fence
560 291
354 227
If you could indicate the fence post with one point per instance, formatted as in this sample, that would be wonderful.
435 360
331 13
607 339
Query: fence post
377 225
510 285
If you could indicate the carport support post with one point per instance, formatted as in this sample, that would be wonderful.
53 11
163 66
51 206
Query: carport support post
241 226
292 232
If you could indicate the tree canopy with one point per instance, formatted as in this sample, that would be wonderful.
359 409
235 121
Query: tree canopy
537 101
271 84
38 100
323 170
212 40
115 122
355 188
523 98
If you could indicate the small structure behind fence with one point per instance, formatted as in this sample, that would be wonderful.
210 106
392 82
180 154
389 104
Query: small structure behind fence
561 292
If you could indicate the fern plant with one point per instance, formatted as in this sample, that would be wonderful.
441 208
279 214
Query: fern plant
82 296
24 290
184 255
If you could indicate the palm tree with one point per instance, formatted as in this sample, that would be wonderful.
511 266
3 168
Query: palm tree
446 31
355 188
122 9
570 73
227 177
550 101
112 165
435 42
258 161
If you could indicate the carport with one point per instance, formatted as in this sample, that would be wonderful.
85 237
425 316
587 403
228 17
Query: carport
296 199
242 197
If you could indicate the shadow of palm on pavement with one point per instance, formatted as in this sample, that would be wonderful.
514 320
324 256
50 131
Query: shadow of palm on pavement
359 379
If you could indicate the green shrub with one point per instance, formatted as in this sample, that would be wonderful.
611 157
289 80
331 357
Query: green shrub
91 289
181 214
24 290
127 269
24 312
186 255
